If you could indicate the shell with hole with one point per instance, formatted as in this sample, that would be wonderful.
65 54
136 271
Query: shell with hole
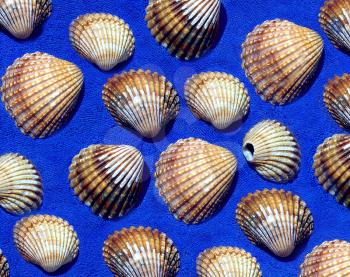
4 266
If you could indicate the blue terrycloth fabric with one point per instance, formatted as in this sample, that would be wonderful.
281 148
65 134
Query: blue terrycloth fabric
306 117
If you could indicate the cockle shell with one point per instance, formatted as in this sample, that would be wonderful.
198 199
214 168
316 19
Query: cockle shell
217 97
194 177
4 266
279 58
107 178
103 39
40 92
142 100
275 219
273 151
47 241
20 184
187 28
226 262
141 252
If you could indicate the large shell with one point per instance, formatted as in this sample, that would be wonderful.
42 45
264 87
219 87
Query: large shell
107 178
275 219
20 184
103 39
217 97
279 58
226 262
141 252
142 100
273 151
47 241
40 92
193 177
187 28
4 266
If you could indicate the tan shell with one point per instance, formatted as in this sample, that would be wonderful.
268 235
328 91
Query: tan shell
141 252
193 177
226 262
217 97
40 92
275 219
141 100
187 28
279 58
4 266
107 178
47 241
103 39
273 151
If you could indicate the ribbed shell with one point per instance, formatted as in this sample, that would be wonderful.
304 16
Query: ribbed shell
107 178
187 28
217 97
40 92
141 100
193 177
103 39
227 262
273 151
279 58
4 266
141 252
47 241
21 17
275 219
20 184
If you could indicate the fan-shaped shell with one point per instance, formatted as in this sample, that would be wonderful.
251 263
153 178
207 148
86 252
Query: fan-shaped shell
217 97
40 92
187 28
107 178
193 177
273 151
142 100
103 39
47 241
275 219
4 266
141 252
279 58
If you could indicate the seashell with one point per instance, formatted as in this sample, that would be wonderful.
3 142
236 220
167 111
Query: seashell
142 100
331 258
227 261
275 219
187 28
20 184
141 252
193 177
273 151
218 98
40 92
279 58
4 266
103 39
107 178
47 241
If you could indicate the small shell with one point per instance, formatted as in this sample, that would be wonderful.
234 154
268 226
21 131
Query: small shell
47 241
20 184
4 266
218 98
141 252
107 178
279 58
103 39
227 261
275 219
40 92
186 28
193 177
142 100
273 151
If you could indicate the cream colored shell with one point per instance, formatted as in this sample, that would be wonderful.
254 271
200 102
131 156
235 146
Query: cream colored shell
4 266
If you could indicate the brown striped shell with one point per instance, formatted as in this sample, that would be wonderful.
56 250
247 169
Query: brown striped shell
4 266
279 58
194 177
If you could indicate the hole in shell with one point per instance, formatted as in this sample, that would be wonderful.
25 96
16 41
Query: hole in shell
248 151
